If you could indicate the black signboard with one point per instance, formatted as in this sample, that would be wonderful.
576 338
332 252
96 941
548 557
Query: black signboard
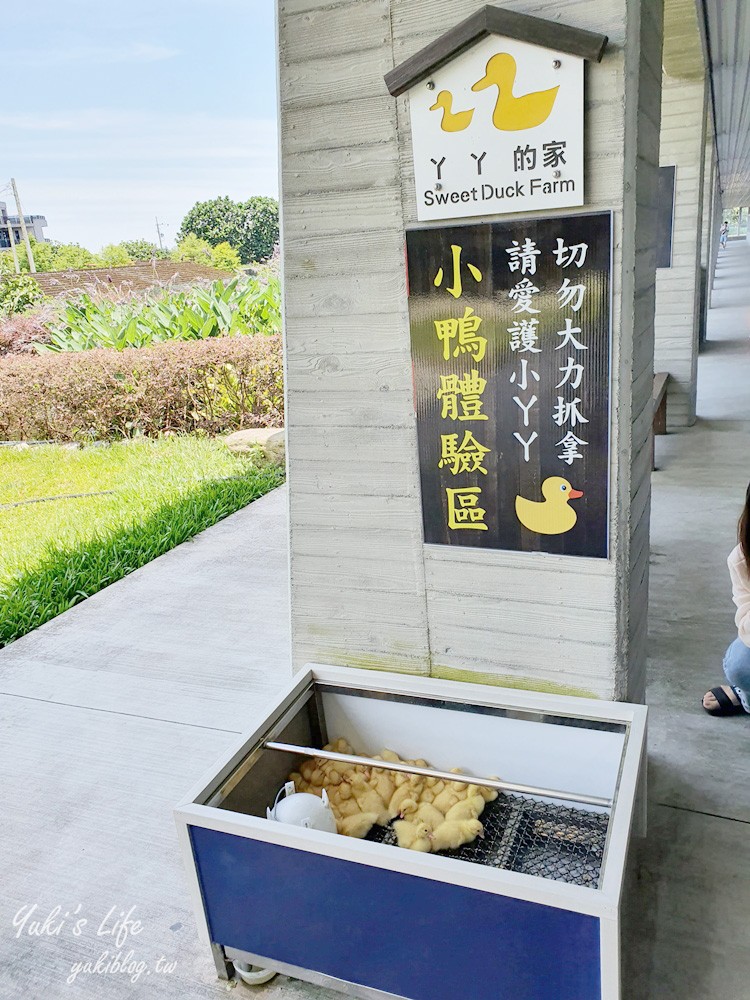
510 329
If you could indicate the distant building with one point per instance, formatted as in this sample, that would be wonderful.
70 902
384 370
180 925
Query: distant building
35 225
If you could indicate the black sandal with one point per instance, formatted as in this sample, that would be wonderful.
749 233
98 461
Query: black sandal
726 706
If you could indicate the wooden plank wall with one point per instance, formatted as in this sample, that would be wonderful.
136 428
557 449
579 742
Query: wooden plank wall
678 287
365 590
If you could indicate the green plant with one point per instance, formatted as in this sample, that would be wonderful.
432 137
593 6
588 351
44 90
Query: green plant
18 292
225 257
70 256
114 255
50 256
238 306
142 250
192 248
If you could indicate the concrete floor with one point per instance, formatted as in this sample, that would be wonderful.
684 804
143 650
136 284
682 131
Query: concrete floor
111 712
690 931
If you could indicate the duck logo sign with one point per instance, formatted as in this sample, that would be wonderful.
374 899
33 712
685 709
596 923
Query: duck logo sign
510 333
497 126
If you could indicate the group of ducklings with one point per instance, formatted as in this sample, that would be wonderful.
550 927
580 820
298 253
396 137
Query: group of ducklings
430 814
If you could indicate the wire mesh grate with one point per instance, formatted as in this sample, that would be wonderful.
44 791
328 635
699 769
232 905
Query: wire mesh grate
532 837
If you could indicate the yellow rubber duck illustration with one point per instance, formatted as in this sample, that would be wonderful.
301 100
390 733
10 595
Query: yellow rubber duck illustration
511 113
551 516
452 122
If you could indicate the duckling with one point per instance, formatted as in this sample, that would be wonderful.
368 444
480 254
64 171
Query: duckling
413 836
551 516
428 814
488 794
409 790
469 808
383 785
347 807
368 799
458 786
453 121
511 113
306 769
453 833
358 825
299 782
317 778
332 775
446 799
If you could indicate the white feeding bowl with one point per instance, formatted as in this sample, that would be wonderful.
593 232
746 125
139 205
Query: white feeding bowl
304 809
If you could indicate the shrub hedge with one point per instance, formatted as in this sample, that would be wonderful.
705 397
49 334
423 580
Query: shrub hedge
215 385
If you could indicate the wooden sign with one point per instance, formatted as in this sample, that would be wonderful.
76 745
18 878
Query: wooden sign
499 129
510 330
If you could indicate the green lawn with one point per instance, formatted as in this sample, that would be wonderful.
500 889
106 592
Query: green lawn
55 553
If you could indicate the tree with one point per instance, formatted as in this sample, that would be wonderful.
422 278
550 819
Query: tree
225 257
142 250
262 226
194 249
114 255
44 254
251 227
71 256
44 257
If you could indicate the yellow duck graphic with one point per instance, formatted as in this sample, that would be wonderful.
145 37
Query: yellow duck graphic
511 113
452 121
551 516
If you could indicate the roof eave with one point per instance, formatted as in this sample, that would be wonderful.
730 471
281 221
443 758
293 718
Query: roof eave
487 21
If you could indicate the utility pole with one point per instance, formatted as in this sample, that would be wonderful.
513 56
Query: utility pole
158 233
29 254
12 245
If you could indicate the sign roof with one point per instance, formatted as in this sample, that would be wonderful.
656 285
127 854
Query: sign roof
487 21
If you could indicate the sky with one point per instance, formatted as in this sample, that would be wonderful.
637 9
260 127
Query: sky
117 112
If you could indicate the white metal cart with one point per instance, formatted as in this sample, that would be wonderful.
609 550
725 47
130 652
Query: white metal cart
530 912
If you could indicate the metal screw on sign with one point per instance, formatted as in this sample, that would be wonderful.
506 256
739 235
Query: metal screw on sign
556 63
438 187
555 173
430 84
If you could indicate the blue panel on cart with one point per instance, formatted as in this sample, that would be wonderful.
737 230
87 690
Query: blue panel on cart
398 933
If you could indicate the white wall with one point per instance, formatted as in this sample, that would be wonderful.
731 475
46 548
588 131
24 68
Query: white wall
677 288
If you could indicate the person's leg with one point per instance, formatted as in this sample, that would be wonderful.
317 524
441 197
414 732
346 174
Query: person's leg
737 670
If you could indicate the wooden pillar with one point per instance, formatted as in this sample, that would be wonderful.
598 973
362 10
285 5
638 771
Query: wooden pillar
366 591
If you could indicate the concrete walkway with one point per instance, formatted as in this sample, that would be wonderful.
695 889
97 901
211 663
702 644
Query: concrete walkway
110 712
690 937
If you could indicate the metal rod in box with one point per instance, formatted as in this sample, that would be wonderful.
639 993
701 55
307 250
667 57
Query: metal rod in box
428 772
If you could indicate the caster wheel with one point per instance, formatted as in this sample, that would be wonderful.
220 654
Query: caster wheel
253 975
